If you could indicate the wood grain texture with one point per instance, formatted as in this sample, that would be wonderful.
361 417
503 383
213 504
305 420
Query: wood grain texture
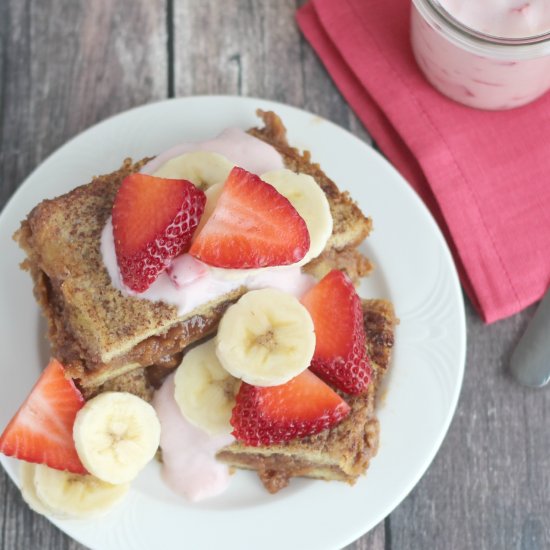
252 48
66 64
489 486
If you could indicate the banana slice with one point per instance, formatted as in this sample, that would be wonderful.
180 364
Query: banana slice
201 168
28 491
266 338
204 391
116 434
311 203
65 495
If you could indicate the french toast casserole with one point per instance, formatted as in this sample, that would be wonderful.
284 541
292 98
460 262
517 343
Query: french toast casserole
110 341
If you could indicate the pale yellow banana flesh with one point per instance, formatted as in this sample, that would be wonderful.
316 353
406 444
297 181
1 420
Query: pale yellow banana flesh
64 495
310 202
116 434
202 168
204 391
266 338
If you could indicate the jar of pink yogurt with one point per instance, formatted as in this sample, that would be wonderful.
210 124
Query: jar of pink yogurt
489 54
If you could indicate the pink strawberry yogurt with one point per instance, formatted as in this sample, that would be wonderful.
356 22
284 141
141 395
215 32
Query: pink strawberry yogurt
244 150
189 283
490 54
189 466
188 453
504 18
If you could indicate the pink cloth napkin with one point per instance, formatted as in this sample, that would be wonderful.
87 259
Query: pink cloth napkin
484 175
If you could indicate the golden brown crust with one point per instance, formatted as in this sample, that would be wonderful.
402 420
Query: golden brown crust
343 452
94 330
349 260
135 381
62 237
159 349
100 334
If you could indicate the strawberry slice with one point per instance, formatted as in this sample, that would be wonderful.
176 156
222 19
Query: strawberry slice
340 356
252 225
303 406
42 429
153 222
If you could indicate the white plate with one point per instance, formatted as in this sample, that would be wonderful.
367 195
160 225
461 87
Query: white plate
414 269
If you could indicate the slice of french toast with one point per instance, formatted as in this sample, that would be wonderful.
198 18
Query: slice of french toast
339 453
104 338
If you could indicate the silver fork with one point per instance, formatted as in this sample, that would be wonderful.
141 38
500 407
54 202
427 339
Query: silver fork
530 361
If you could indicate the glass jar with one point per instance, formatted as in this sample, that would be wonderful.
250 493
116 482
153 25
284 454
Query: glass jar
474 68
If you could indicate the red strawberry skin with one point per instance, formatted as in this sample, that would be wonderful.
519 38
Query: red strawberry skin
153 222
303 406
340 356
252 226
42 429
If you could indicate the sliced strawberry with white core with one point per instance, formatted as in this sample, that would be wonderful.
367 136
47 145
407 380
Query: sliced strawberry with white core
252 226
303 406
42 429
340 356
153 222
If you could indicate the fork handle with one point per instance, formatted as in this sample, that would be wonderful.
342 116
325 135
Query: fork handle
530 361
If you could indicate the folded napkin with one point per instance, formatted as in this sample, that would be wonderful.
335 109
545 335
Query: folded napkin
484 175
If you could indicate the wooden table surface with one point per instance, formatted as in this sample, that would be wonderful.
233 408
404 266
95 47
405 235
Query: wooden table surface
66 64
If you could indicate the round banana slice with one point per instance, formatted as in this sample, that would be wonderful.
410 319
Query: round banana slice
28 491
311 203
204 391
201 168
266 338
67 495
116 434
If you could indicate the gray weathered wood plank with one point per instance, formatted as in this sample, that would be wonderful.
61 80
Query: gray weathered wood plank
65 65
252 49
489 486
237 48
